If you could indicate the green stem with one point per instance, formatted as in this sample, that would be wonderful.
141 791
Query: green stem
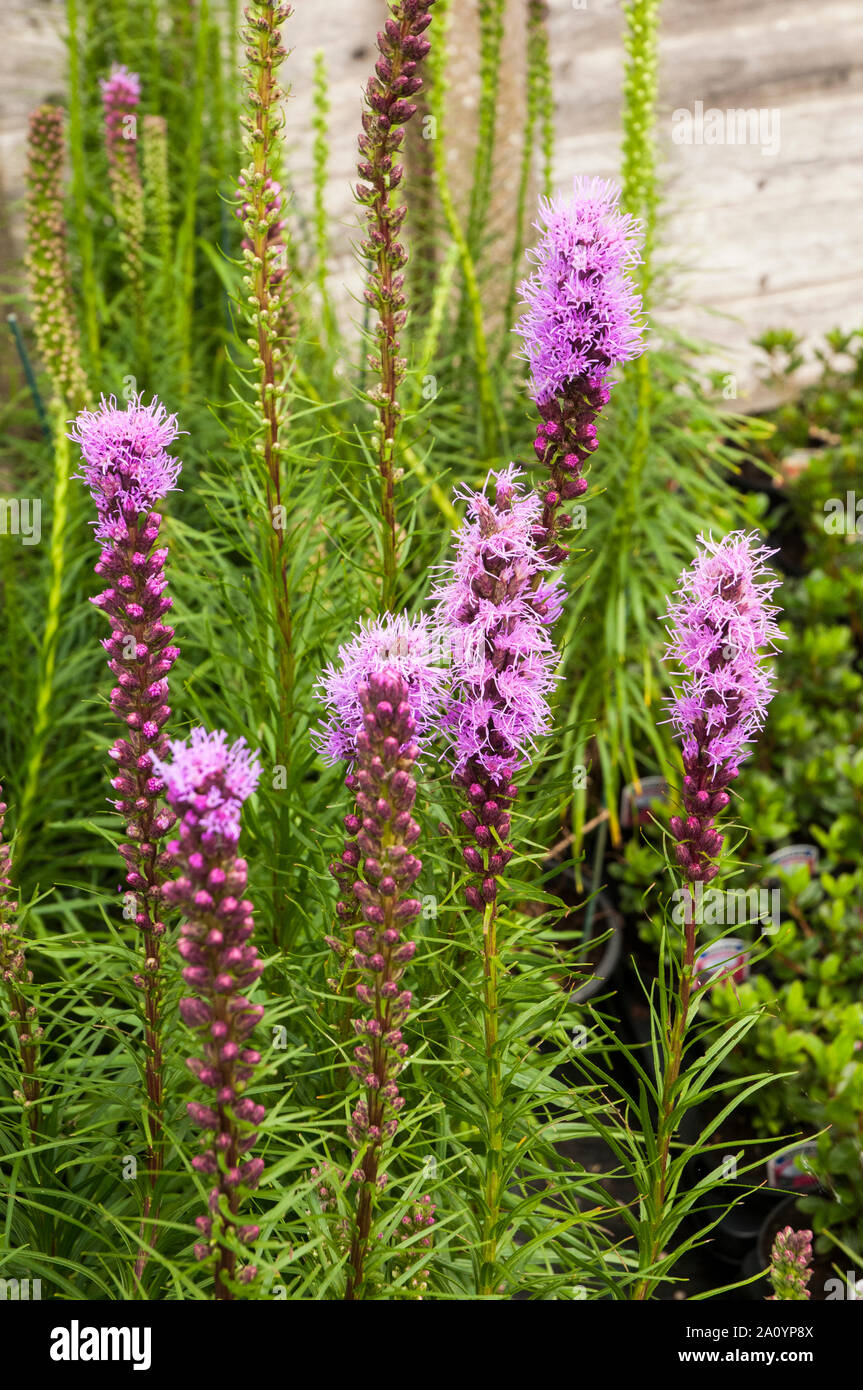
491 14
83 229
493 1193
437 64
667 1120
48 652
321 221
186 236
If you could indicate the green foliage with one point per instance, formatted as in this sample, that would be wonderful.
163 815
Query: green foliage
71 1203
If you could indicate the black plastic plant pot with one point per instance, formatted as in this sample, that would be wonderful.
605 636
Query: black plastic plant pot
592 961
606 922
739 1230
636 803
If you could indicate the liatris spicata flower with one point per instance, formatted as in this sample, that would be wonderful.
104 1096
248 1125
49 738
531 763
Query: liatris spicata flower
388 107
410 646
720 619
121 93
497 608
206 782
721 623
128 471
47 265
581 322
790 1261
16 977
379 869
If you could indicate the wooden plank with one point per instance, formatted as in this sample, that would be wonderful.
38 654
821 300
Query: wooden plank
770 240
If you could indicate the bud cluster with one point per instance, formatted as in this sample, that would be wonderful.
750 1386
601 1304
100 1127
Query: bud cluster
121 94
564 442
790 1265
378 870
376 874
206 783
47 263
495 595
720 619
388 108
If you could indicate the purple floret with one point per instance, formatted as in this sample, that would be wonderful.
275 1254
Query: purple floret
582 308
125 460
720 622
412 648
721 628
210 777
497 609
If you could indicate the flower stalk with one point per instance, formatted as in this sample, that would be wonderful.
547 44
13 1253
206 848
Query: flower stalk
580 323
267 310
128 470
387 109
59 347
385 870
206 783
496 605
721 625
47 261
790 1266
381 701
121 95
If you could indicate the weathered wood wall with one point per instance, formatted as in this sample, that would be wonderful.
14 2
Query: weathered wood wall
756 239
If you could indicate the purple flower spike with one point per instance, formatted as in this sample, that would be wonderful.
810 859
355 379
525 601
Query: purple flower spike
127 469
582 307
376 874
212 779
582 321
126 465
121 93
721 620
409 646
206 783
498 608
